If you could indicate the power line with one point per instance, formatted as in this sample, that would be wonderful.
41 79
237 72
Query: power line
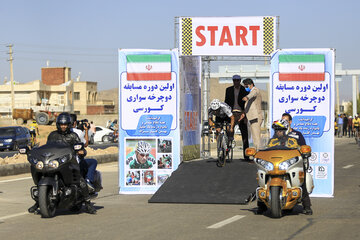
62 60
71 54
65 47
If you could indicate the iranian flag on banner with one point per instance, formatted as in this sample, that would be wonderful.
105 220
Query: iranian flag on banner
302 67
148 67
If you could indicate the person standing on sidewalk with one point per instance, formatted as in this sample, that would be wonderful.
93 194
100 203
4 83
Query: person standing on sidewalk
345 125
233 98
253 110
340 123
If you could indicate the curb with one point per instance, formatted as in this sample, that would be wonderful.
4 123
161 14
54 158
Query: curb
19 168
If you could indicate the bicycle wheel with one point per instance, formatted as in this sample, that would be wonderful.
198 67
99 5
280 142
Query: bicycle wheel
221 151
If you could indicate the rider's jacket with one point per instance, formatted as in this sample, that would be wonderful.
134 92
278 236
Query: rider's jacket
286 141
225 111
298 136
356 122
69 138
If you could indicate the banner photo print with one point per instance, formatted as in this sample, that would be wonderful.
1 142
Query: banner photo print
303 85
149 134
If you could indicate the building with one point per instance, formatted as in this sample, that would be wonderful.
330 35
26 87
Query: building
55 92
86 100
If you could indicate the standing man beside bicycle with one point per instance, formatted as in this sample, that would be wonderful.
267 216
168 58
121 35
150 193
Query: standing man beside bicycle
233 97
222 113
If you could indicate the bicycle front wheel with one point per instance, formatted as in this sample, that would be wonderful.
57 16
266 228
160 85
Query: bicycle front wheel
221 151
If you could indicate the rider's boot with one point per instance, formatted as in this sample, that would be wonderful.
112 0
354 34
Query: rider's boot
33 208
89 208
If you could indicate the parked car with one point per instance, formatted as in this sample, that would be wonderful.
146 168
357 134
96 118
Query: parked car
12 138
102 134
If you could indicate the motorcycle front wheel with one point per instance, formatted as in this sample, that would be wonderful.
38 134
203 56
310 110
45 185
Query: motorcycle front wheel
47 206
275 202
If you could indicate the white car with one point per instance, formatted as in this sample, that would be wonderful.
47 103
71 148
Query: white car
101 134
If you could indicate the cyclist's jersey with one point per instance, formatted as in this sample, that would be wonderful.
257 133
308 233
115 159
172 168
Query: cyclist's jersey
356 122
33 127
225 111
134 164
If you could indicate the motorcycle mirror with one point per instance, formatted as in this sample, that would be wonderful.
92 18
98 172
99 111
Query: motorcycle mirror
22 150
250 152
305 150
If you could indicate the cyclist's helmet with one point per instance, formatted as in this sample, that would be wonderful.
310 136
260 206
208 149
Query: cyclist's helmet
215 104
34 121
143 147
63 118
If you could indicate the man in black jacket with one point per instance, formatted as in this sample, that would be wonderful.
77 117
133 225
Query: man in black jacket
233 98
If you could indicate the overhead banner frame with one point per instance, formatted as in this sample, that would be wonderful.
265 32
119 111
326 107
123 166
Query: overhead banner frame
227 36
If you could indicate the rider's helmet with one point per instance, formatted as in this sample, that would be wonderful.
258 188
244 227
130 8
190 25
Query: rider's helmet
63 118
281 125
143 147
215 104
34 121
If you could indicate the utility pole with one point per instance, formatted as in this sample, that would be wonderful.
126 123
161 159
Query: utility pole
11 79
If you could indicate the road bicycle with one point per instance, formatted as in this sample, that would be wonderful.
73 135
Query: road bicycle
224 147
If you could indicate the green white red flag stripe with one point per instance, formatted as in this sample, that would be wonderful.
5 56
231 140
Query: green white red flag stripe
302 67
148 67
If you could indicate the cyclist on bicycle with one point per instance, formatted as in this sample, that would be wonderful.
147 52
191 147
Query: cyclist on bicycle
222 113
33 129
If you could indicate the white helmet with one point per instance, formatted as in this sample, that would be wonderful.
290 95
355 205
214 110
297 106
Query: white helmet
143 147
215 104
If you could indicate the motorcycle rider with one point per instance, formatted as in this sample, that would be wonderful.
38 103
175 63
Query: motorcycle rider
284 135
64 135
301 141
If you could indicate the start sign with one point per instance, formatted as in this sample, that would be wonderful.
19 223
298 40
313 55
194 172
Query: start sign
220 36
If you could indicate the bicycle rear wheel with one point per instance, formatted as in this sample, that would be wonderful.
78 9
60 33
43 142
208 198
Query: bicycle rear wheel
221 151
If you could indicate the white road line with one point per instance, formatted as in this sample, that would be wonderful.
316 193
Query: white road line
226 221
13 215
14 180
348 166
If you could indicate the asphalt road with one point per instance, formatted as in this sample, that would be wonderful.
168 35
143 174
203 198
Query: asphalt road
99 145
132 217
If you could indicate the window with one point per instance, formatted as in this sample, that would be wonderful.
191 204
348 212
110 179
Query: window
76 95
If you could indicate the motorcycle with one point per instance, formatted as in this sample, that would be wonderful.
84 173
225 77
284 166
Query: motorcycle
281 174
59 182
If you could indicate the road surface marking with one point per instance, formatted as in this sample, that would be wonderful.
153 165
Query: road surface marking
16 179
226 221
13 215
348 166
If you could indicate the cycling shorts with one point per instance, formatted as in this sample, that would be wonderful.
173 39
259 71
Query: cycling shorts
219 122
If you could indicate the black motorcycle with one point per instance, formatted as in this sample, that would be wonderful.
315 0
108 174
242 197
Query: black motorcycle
58 178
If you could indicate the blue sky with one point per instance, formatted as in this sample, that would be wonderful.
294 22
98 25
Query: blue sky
85 34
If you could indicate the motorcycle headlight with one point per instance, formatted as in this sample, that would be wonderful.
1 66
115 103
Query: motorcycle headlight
8 140
40 165
265 164
53 164
288 163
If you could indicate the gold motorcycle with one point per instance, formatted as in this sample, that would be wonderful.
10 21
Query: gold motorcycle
281 173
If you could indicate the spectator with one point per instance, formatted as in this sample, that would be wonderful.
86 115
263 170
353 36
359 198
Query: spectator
233 98
340 122
253 110
345 125
350 128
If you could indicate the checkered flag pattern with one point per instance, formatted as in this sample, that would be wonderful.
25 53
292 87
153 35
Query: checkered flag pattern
269 37
186 36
